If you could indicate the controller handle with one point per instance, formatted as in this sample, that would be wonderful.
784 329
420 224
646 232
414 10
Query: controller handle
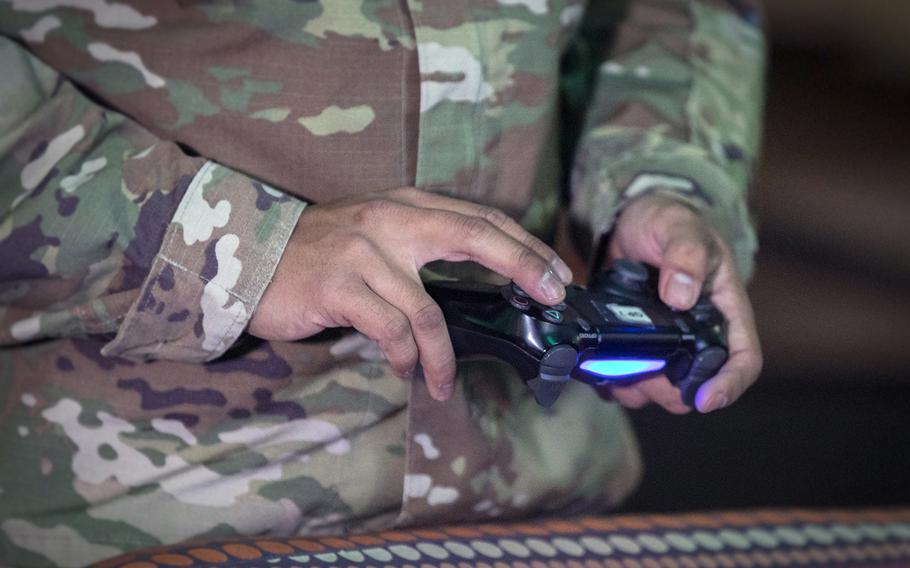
702 367
555 370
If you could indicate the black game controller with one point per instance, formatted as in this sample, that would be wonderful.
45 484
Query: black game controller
615 330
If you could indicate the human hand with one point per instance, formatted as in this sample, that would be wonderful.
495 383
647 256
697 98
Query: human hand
674 238
354 263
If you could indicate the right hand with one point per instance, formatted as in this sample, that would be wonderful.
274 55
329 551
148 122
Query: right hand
354 263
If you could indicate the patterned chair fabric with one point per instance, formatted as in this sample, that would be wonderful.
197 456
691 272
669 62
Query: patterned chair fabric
879 537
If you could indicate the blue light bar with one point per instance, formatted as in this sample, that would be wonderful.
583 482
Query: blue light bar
621 368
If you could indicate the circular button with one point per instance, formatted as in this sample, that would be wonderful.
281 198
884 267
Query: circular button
561 306
704 311
519 302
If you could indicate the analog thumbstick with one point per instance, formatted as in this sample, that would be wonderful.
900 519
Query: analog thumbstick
628 274
705 313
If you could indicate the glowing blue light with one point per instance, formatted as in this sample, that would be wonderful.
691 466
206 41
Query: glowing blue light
621 368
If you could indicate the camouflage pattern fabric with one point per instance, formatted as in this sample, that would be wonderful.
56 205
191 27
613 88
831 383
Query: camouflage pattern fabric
676 111
154 158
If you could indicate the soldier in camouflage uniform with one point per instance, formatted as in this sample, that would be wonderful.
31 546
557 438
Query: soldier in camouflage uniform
193 191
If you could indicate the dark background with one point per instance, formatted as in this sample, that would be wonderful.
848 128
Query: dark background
828 423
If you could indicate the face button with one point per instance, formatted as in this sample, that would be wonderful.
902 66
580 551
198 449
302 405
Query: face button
519 302
552 315
561 306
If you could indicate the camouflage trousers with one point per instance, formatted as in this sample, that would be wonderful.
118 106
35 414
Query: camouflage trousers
101 456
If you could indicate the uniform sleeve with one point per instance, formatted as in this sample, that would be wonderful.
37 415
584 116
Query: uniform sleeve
106 229
676 110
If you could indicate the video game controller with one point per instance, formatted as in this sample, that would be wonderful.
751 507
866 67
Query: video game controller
614 331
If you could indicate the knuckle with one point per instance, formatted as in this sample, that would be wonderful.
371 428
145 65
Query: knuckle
475 228
533 242
493 216
356 245
528 259
689 247
376 210
536 244
428 318
396 329
689 251
401 361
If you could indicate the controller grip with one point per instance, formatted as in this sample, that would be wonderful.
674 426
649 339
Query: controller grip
555 370
547 388
704 365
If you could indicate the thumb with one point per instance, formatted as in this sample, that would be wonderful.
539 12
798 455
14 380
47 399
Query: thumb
689 255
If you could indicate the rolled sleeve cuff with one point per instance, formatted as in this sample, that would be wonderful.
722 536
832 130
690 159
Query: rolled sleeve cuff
218 255
683 172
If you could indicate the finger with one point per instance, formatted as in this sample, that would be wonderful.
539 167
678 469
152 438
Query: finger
727 386
604 392
629 396
382 322
495 217
453 236
663 392
689 255
427 324
745 362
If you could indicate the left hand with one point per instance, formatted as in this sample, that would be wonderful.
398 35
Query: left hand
674 238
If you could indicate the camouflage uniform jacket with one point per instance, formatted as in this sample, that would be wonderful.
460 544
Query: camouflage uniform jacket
155 156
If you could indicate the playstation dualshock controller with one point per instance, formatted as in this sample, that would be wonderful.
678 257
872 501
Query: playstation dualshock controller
614 331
